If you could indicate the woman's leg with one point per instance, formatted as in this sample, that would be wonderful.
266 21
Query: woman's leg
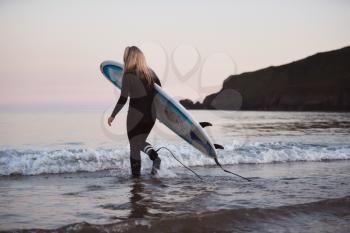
150 151
153 155
136 142
138 131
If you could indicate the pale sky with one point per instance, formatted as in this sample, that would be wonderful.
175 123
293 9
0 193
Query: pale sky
50 51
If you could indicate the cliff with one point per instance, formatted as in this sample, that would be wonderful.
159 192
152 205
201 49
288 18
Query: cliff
320 82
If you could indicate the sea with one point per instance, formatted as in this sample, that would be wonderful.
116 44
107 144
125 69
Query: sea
68 171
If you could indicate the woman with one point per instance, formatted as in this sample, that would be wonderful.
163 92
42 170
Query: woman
137 83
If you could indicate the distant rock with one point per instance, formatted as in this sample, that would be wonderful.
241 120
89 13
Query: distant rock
190 105
317 83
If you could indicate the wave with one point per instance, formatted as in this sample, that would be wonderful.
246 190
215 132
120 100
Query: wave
329 215
68 160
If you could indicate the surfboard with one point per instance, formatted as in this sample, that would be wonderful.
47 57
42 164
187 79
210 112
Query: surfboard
169 112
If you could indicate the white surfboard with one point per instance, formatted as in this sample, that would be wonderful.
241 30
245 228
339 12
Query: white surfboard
170 112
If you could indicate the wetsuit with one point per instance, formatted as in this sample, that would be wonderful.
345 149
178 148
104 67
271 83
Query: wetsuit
141 117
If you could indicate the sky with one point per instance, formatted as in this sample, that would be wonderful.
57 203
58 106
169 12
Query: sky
50 51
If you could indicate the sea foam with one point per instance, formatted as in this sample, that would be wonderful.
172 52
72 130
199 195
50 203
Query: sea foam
68 160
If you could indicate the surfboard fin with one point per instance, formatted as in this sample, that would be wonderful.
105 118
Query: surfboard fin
205 124
218 146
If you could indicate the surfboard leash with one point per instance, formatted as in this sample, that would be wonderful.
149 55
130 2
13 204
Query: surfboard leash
163 147
217 163
215 159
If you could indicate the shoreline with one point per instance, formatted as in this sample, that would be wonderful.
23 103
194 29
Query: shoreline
207 166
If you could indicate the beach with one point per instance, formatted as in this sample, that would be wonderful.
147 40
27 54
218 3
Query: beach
73 175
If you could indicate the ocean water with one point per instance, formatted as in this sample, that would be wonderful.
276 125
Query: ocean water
69 171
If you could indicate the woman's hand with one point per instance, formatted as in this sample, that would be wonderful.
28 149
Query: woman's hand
110 120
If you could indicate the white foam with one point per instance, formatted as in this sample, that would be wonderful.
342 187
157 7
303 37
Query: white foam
46 160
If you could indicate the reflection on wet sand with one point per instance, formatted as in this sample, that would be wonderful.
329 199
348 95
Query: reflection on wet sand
137 199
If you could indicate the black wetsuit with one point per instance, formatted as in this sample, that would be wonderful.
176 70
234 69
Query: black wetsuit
141 116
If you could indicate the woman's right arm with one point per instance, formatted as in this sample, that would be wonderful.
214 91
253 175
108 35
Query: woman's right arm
124 94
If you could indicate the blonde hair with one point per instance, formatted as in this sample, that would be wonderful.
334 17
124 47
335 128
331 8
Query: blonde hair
134 60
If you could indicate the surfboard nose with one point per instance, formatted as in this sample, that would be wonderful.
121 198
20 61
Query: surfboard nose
103 64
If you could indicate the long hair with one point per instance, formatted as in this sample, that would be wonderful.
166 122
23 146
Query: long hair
134 60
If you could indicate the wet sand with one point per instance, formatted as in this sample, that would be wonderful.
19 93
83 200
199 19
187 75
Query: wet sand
297 197
74 175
